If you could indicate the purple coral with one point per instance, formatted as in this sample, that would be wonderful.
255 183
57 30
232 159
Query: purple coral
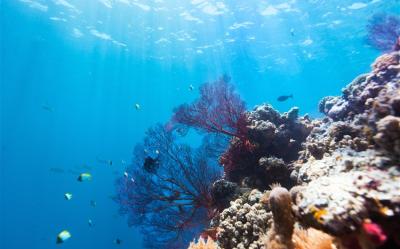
218 110
169 195
384 32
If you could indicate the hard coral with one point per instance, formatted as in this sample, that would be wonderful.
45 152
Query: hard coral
244 223
312 239
283 234
276 140
201 244
280 234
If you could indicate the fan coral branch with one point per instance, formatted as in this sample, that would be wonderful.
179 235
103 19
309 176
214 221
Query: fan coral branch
384 32
218 110
167 191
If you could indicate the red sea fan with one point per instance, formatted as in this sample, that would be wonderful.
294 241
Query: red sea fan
218 110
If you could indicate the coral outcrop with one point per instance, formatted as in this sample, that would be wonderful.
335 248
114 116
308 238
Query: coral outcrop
275 142
349 167
344 169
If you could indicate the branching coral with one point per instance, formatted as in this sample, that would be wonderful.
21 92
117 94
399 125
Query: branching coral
244 223
384 32
172 201
218 110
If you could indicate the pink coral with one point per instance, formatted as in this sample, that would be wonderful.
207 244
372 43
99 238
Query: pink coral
374 232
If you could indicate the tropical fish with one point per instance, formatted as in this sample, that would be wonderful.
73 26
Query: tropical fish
90 222
126 174
191 87
85 177
284 97
108 162
63 236
68 196
137 106
93 203
47 107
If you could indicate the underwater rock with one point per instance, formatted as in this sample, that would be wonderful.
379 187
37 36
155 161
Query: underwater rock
338 204
341 160
388 136
244 223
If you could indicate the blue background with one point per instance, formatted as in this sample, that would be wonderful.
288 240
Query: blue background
92 61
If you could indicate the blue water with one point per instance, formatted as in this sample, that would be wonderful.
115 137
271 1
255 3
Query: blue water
72 72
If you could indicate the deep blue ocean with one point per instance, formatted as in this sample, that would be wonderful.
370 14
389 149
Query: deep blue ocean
72 72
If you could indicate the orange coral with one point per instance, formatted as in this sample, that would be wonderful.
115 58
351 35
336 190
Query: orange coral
311 239
201 244
282 234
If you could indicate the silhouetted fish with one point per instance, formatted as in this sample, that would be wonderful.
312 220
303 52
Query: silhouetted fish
56 170
117 241
226 78
93 203
47 107
284 97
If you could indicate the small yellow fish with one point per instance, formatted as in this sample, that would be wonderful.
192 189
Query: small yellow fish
85 177
318 213
63 236
68 196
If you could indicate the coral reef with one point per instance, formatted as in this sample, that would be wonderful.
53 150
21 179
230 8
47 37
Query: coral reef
349 167
276 140
342 171
345 166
